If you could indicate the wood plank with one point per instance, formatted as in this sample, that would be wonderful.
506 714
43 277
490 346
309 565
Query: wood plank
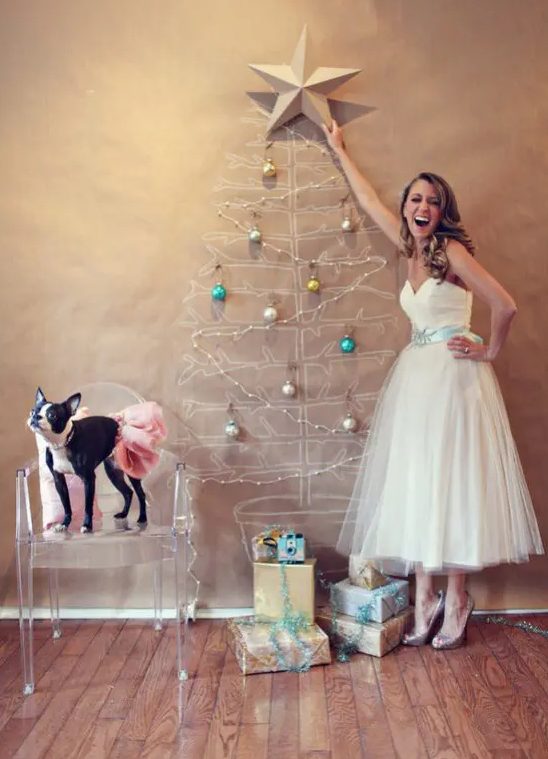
458 711
522 693
437 737
283 733
92 700
145 703
99 741
533 650
252 741
126 685
225 725
399 711
375 732
344 732
415 676
177 694
58 711
257 699
126 749
478 693
313 722
206 683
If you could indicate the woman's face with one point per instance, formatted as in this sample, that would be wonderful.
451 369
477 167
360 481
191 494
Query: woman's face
422 209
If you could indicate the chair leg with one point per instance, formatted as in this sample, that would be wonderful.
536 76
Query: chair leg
181 601
54 602
158 596
25 595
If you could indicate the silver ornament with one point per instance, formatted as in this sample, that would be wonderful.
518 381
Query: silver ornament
255 234
232 429
289 389
346 224
270 314
350 423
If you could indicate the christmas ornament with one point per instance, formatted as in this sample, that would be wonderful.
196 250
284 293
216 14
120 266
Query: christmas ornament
313 284
346 224
347 344
232 429
289 389
218 291
255 234
270 314
350 423
269 168
299 91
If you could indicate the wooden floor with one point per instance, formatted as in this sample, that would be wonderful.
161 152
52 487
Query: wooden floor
108 689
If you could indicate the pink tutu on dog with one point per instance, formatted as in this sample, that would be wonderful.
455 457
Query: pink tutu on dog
141 429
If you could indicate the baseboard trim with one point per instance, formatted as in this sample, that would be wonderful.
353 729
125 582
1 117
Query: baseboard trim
42 612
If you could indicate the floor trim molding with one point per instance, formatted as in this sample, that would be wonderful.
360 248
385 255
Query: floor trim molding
42 612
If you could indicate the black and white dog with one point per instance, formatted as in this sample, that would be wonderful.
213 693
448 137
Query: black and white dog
78 446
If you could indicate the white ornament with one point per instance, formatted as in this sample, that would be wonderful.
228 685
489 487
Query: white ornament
232 429
289 389
350 423
270 314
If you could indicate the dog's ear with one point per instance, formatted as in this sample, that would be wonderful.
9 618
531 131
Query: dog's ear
40 397
73 402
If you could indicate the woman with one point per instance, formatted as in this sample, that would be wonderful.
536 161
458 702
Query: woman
441 489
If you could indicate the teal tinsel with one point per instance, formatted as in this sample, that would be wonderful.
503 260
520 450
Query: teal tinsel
292 623
521 625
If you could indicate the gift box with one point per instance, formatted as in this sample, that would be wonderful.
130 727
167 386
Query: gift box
269 598
251 642
264 545
364 574
370 605
373 638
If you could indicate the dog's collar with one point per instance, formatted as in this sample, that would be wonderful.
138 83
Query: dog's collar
58 446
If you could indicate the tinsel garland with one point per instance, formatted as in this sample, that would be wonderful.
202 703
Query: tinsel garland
521 625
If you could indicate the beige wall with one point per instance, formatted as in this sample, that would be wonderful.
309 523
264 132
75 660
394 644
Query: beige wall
116 118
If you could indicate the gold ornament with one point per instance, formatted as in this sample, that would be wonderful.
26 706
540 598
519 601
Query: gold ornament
313 285
269 168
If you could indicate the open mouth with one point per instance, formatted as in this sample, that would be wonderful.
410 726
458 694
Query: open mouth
421 221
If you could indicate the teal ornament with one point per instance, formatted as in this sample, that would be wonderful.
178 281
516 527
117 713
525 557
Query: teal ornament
218 291
347 344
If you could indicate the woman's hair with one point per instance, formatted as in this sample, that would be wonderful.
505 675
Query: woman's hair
449 228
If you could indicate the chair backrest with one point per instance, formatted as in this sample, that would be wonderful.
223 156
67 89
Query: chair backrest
102 399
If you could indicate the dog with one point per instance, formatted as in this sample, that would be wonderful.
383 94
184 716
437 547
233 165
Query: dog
77 445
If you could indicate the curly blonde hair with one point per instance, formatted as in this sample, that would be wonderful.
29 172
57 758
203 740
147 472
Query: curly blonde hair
449 228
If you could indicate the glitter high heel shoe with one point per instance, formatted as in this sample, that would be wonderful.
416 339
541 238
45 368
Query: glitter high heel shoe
442 642
420 639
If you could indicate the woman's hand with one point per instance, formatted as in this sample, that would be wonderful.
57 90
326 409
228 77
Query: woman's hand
334 136
462 347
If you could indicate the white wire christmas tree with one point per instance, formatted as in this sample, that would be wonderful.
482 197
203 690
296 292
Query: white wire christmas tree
291 321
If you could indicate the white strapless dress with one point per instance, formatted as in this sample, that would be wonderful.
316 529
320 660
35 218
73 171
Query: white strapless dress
441 484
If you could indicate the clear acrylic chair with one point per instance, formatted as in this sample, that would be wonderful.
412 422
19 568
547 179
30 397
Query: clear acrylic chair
113 544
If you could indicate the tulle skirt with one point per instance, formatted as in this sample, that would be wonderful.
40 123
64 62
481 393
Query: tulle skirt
441 485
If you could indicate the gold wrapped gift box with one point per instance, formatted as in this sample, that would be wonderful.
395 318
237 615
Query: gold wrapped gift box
374 638
267 590
364 574
255 653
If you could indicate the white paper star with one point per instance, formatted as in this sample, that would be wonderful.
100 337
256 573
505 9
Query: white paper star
298 92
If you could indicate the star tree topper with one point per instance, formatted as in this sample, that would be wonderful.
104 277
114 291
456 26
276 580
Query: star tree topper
299 92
